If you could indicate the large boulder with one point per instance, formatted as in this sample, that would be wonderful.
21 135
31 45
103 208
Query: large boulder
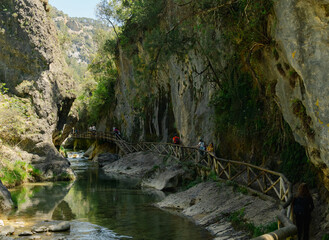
154 170
135 164
164 178
106 158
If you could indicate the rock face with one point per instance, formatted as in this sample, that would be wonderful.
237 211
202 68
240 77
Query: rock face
164 178
153 170
181 96
135 164
5 199
106 158
80 34
301 31
181 101
31 67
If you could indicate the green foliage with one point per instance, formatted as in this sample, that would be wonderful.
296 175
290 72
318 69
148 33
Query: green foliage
212 176
190 184
260 230
16 116
3 89
295 164
19 196
325 237
98 95
155 167
237 187
15 173
238 106
103 96
244 103
239 222
237 217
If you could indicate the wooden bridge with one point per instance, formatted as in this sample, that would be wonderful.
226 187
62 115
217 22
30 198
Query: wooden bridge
260 179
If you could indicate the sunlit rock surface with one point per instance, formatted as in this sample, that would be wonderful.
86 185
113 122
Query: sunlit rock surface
40 93
301 32
180 97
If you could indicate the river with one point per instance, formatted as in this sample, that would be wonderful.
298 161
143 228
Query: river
101 207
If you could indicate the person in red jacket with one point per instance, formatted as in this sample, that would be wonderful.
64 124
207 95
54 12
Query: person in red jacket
175 139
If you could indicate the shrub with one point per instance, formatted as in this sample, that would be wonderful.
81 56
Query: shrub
239 222
18 172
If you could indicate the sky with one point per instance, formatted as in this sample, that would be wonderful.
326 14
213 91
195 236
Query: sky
76 8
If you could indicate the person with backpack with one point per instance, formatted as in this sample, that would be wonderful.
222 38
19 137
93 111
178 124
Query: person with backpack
116 132
302 205
201 146
175 139
210 148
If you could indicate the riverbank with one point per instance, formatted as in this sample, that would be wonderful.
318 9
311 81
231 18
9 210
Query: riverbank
223 208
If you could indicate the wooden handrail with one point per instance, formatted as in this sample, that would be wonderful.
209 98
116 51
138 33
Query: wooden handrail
255 177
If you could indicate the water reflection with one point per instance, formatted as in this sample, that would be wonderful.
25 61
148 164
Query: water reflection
103 207
117 203
39 200
63 212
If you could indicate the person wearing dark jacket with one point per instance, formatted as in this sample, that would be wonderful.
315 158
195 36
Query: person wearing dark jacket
303 205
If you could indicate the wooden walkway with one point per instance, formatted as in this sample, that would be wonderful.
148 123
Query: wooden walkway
260 179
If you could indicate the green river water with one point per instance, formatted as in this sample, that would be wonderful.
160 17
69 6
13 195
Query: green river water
101 207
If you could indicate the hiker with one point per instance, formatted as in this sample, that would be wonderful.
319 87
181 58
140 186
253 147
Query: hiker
201 146
93 130
210 148
302 205
116 132
176 139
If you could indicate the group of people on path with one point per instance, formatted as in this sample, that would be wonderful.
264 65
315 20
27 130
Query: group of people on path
201 145
116 131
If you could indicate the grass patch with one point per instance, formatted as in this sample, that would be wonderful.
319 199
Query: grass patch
15 173
237 187
239 222
212 176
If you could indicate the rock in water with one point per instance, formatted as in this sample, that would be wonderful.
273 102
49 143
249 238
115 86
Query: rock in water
60 227
5 199
6 230
25 233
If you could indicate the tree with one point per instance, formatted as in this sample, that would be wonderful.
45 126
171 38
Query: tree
115 12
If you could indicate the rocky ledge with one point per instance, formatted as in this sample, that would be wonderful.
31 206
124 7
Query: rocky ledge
212 204
41 230
153 170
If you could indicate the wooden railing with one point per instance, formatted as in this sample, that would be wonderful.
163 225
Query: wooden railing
260 179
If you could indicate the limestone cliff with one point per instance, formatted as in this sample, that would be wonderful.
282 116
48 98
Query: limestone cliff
300 32
291 65
36 94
